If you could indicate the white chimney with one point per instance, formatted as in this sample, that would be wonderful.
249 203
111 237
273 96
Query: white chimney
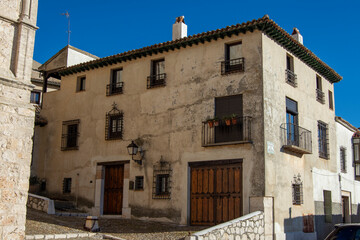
297 36
179 28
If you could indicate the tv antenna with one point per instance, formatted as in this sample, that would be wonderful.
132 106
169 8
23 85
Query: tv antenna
68 18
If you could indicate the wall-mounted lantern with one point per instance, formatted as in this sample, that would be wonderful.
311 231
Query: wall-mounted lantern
134 150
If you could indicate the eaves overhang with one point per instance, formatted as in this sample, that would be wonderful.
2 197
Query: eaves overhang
264 24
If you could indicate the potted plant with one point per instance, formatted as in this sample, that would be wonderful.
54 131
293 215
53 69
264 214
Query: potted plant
227 120
216 121
234 118
210 122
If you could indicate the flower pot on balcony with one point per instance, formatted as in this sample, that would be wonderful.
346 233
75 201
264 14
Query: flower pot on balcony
211 124
216 122
233 121
228 122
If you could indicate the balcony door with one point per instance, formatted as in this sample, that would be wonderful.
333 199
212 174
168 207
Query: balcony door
224 107
292 122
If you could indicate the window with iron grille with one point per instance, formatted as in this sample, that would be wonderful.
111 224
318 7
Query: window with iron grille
297 191
116 83
343 159
70 134
356 149
139 183
327 206
320 96
234 62
114 124
323 140
290 75
157 75
80 86
67 185
162 181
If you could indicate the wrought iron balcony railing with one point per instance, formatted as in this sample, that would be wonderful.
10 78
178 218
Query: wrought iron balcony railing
295 138
320 96
156 80
290 77
114 88
237 130
233 65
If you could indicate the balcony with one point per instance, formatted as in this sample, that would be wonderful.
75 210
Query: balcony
290 77
114 88
296 139
156 80
320 96
233 65
237 131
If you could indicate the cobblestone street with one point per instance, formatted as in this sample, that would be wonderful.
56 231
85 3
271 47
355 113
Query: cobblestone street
40 223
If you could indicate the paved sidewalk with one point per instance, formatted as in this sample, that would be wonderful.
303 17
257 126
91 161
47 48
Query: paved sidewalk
40 223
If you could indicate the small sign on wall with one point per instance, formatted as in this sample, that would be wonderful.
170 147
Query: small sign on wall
270 147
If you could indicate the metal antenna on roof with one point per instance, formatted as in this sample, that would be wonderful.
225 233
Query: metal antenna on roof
68 31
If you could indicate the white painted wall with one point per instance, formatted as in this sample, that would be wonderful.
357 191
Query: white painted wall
75 57
348 183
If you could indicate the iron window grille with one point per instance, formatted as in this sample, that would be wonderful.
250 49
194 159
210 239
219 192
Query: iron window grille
157 80
320 96
114 124
290 77
343 159
239 131
116 83
67 185
157 76
323 140
297 191
70 135
162 181
139 183
232 66
114 88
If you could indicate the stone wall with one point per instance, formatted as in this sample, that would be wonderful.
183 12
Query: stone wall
249 227
17 24
41 203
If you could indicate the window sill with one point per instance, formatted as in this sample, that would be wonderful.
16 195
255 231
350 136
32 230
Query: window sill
324 157
226 143
69 148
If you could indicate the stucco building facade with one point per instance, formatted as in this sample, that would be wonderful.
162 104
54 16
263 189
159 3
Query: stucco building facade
190 167
18 26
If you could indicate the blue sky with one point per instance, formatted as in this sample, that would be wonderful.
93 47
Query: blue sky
109 27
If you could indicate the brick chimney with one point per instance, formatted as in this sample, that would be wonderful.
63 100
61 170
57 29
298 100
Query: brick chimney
297 36
179 28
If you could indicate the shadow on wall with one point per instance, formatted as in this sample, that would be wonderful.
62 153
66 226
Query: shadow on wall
294 226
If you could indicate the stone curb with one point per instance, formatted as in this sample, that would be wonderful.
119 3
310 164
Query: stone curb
112 237
60 236
70 214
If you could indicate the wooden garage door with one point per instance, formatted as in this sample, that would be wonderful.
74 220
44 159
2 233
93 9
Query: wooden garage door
113 189
216 192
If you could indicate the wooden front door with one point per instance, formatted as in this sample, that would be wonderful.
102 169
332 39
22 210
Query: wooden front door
113 189
215 192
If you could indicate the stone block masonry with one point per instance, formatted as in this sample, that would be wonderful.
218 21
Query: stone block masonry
41 203
248 227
